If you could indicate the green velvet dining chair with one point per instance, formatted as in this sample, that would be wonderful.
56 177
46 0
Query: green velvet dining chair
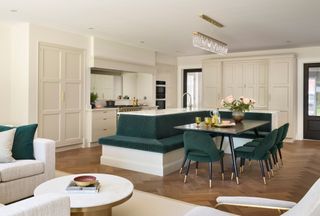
200 147
260 152
280 142
273 151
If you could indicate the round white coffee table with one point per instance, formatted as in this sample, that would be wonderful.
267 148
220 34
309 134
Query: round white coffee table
114 191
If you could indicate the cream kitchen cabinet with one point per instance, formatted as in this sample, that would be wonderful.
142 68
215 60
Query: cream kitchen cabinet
270 80
60 107
247 78
100 123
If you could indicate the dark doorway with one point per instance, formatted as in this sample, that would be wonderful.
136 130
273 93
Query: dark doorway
192 82
311 104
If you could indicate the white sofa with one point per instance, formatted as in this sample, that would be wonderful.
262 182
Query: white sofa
43 205
19 179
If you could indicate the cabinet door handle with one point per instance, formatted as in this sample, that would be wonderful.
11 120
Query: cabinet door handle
105 129
104 118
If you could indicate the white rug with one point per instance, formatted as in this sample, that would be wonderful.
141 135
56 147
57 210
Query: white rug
148 204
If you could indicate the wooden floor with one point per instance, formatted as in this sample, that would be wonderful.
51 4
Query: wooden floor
301 169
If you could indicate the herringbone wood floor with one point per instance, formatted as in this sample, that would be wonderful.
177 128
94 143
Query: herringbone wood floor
301 169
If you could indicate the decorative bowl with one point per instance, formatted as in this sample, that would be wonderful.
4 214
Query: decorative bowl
85 180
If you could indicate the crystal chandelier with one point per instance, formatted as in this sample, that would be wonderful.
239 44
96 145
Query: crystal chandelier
210 44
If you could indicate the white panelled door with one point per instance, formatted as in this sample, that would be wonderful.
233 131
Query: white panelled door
211 84
60 94
248 79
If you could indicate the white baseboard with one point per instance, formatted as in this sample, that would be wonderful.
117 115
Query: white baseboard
142 161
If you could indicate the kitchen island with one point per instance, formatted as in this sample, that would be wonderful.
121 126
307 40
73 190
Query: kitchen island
146 141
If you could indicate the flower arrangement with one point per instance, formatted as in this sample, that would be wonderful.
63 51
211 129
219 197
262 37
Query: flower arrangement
241 105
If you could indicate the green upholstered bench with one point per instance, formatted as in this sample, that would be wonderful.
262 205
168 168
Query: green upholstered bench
146 144
151 133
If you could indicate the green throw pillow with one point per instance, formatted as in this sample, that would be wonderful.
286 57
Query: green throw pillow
23 141
4 128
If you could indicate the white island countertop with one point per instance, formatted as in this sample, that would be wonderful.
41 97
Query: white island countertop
172 111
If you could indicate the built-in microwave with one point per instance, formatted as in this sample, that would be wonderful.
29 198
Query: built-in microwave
160 92
160 89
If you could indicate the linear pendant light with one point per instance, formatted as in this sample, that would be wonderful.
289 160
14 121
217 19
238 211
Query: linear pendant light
211 21
208 43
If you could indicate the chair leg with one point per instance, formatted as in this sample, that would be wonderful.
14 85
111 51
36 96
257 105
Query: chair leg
183 163
221 143
187 172
280 155
233 169
222 168
274 160
197 166
210 174
262 172
268 169
242 162
270 164
277 162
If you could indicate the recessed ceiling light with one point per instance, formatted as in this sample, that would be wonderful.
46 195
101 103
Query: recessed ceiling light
14 10
211 21
90 28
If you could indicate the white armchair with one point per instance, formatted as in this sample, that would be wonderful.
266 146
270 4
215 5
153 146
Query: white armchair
309 205
42 205
19 179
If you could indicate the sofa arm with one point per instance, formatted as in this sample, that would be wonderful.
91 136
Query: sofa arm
47 204
256 202
45 150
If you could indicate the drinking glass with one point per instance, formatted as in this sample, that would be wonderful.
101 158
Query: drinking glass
207 121
198 121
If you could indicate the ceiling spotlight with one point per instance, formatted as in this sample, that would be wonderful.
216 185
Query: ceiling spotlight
208 43
14 10
211 21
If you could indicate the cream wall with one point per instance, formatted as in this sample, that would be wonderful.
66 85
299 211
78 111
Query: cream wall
304 55
5 72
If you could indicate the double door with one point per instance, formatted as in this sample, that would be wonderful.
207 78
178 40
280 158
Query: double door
61 94
247 79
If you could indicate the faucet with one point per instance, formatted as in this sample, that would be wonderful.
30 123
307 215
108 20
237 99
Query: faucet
188 94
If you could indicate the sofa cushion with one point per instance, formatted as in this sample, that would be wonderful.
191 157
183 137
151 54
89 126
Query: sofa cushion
6 142
23 141
162 145
20 169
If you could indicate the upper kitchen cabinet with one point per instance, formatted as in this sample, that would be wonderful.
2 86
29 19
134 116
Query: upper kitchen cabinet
270 80
249 79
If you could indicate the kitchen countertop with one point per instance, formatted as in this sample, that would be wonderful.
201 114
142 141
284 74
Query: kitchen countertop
182 110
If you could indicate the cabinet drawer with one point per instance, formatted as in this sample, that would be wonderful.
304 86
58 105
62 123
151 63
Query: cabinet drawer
103 123
104 114
96 134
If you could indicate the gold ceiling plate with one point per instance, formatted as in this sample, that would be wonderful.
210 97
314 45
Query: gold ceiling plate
212 21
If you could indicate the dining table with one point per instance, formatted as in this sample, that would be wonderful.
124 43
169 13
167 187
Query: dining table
230 131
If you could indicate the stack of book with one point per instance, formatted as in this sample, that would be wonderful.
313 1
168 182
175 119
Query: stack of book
74 188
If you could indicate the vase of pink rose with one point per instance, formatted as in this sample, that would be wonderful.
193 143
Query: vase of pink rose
238 106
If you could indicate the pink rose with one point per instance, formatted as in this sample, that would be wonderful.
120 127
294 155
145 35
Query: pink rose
246 100
229 99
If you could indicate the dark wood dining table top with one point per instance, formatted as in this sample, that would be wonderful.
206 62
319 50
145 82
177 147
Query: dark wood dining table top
239 128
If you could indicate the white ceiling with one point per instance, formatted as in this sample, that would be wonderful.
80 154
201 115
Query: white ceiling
166 25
